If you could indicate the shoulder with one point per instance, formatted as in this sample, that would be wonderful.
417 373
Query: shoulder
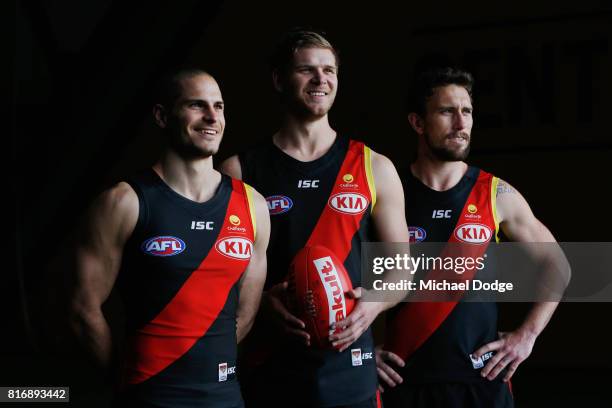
262 215
231 167
510 202
116 208
384 171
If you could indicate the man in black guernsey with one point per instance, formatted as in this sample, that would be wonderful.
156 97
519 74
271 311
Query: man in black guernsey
186 246
323 189
445 354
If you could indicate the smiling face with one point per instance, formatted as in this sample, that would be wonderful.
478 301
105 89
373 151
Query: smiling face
311 81
196 121
447 125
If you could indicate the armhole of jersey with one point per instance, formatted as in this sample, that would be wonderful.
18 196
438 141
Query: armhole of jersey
494 182
249 196
369 174
143 213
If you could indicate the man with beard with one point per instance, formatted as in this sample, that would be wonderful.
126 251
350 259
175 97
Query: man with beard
448 354
187 248
322 189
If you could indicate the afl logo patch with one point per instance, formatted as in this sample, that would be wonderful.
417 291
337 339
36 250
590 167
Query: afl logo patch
163 246
235 247
473 233
279 204
416 234
349 203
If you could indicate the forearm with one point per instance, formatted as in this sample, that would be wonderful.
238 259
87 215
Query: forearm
94 335
243 326
538 317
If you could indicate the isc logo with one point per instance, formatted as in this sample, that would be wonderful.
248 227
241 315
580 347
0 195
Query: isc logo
202 225
308 183
224 371
349 203
416 234
235 247
278 204
441 214
163 246
473 233
333 288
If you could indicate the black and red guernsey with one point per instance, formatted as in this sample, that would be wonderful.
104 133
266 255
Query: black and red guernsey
179 282
436 339
325 202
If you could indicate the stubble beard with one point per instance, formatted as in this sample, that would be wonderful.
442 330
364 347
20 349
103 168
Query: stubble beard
444 153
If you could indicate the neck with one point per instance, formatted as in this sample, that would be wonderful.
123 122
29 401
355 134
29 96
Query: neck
195 179
436 174
305 140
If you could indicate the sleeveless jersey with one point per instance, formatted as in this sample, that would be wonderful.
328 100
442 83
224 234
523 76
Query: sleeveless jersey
436 339
324 202
179 282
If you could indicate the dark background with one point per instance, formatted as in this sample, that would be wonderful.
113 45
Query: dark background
83 74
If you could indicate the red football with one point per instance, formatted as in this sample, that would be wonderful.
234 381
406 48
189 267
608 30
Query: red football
317 271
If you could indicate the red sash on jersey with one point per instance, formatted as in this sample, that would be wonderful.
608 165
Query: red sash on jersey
416 321
194 308
350 198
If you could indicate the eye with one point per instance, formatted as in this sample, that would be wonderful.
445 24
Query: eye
196 104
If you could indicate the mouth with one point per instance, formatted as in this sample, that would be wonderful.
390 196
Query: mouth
317 93
458 138
207 131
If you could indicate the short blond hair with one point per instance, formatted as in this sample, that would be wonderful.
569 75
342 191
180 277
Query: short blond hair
295 40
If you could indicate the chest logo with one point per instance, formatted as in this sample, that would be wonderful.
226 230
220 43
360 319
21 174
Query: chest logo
416 234
349 203
348 178
473 233
235 247
163 246
308 184
279 204
234 220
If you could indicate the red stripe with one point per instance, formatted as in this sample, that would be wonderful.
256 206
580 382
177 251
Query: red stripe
194 308
415 322
378 402
335 230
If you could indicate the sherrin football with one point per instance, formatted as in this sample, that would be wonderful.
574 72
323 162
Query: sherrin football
317 286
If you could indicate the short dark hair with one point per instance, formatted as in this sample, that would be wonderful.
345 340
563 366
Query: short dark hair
294 40
168 89
427 81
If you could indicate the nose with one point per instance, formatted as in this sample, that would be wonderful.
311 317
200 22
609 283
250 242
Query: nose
459 121
319 76
209 114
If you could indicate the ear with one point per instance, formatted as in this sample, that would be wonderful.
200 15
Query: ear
160 115
417 123
276 80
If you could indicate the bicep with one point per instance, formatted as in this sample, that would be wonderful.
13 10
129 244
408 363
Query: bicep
231 167
98 254
517 221
254 276
388 213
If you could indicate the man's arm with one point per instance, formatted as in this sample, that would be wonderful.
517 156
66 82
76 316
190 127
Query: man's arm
254 277
519 224
390 224
231 167
273 307
110 222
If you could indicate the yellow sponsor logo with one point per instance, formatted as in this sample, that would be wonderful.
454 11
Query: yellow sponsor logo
348 177
234 220
472 209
